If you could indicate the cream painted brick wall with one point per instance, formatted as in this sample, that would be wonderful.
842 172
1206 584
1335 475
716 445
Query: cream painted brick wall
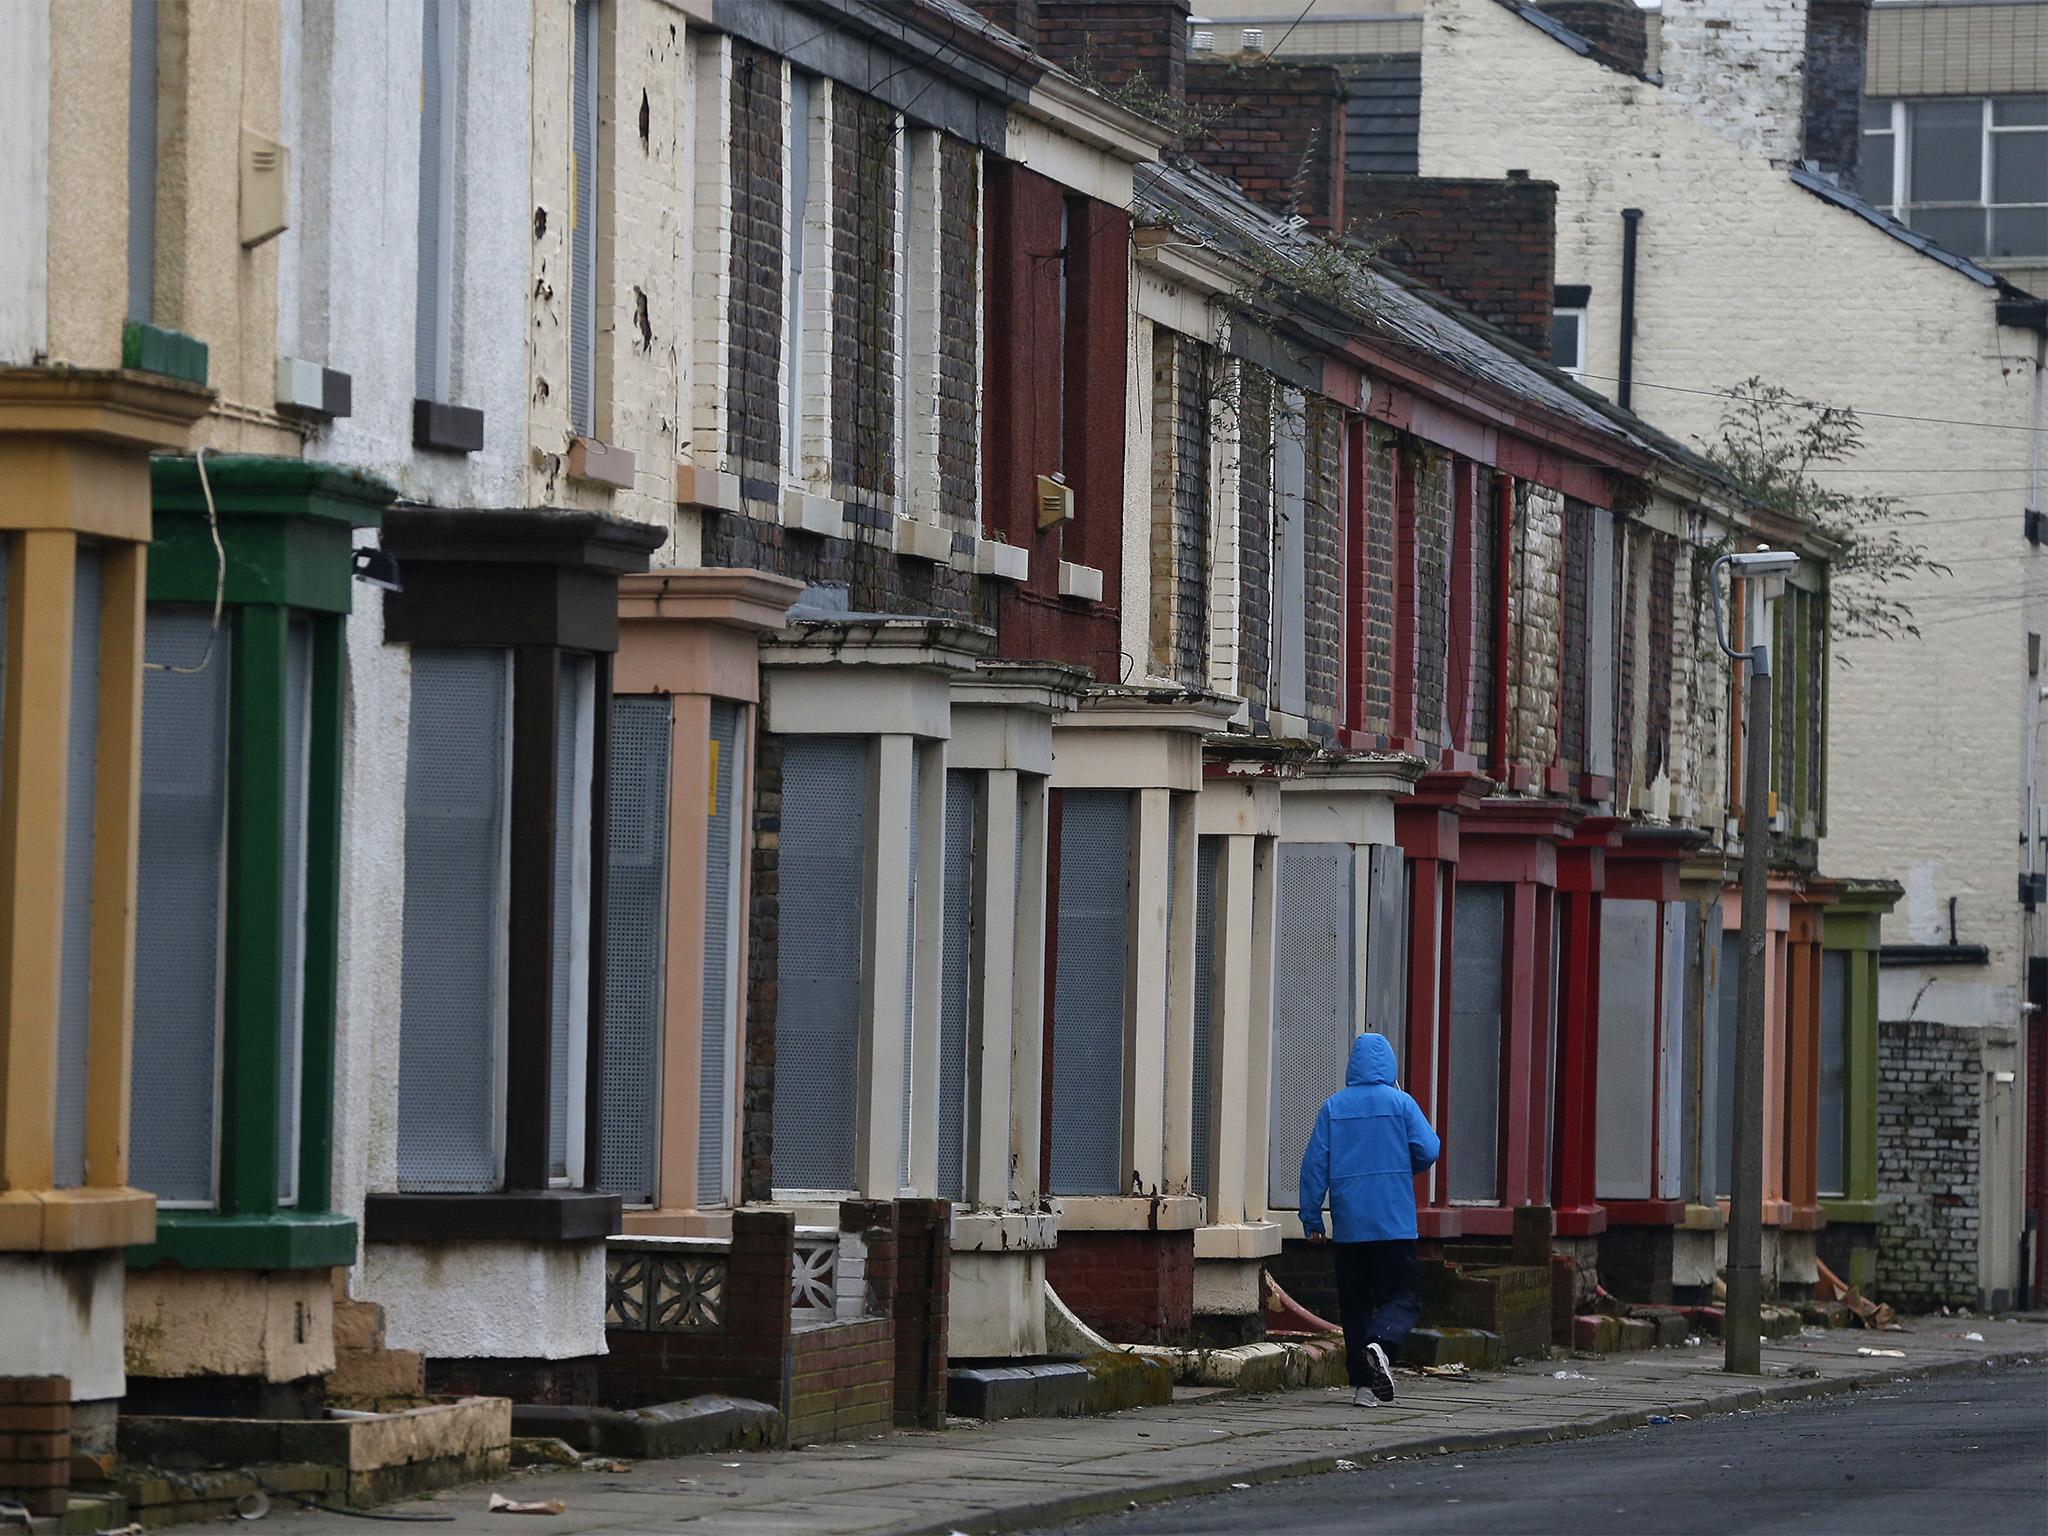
1743 273
1739 66
1533 624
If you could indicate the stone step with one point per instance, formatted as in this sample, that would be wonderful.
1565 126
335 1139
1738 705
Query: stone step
376 1376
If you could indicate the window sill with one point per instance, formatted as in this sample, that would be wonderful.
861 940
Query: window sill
446 428
1839 1208
281 1240
532 1216
1005 562
1129 1213
600 463
917 540
314 390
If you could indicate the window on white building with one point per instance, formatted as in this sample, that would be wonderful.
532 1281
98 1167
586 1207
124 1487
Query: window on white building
1568 340
1968 172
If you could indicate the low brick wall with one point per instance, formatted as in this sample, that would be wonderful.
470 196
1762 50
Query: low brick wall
35 1442
924 1270
842 1381
1130 1287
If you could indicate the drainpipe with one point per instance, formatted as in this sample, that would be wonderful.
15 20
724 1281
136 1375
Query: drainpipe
1630 218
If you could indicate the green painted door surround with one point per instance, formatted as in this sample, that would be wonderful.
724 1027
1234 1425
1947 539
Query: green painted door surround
284 562
1852 925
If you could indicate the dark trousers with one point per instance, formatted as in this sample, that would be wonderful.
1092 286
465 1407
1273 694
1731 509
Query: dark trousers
1376 1297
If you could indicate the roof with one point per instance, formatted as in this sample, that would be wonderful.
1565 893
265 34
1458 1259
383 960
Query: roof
1578 42
1828 192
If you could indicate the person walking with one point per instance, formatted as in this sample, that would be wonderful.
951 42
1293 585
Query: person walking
1370 1141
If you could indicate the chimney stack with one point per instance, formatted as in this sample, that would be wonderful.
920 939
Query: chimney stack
1837 38
1615 28
1118 39
1019 18
1279 133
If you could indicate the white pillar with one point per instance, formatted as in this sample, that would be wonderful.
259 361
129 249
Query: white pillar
878 1145
1145 992
1027 1002
992 1000
1180 1003
929 970
1231 1029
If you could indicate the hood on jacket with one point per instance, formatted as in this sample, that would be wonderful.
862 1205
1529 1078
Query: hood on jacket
1372 1061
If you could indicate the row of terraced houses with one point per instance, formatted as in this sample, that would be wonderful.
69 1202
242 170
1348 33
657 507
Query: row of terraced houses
743 696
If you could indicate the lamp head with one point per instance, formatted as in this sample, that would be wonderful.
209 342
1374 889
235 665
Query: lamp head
1763 561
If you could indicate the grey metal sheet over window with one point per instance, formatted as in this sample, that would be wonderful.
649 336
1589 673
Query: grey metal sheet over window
1201 1048
1088 993
1628 1045
823 886
453 980
635 944
1674 967
1703 1025
1386 952
291 1002
1312 1003
570 893
583 225
1721 1113
956 986
179 890
1478 956
81 781
1834 1070
910 967
720 1027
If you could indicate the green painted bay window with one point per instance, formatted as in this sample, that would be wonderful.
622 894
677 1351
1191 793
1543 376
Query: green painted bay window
240 809
1848 1051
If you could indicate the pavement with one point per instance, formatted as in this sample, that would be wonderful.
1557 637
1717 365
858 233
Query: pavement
1941 1453
1027 1473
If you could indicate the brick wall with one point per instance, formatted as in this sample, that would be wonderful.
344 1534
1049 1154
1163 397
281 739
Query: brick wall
764 961
1485 614
1837 33
1379 582
1131 1287
959 335
1615 28
1432 608
1535 626
1180 507
1929 1103
1574 581
35 1442
754 308
1118 39
864 371
1489 245
1323 561
924 1267
1277 131
875 579
840 1381
1255 533
1019 18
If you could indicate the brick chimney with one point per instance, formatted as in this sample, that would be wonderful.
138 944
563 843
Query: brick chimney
1019 18
1615 28
1488 245
1279 132
1119 39
1837 37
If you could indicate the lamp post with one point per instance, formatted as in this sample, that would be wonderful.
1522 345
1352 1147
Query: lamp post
1763 571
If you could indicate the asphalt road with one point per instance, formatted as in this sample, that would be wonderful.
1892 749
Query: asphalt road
1956 1454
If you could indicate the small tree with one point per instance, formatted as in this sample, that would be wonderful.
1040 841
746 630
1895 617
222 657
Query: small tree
1771 442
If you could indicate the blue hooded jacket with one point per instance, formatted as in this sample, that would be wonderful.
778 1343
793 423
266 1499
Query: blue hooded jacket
1369 1143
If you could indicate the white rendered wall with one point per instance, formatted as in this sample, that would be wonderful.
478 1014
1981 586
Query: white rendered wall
61 1315
25 180
1739 66
1741 272
490 1300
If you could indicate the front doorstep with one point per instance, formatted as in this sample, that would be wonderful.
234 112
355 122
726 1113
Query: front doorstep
284 1240
181 1469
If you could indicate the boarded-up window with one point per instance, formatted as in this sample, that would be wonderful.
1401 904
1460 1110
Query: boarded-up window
956 984
1202 1047
718 1033
1180 506
635 941
1628 1024
1313 1007
452 991
1386 950
1478 955
1834 1071
1088 993
569 975
823 887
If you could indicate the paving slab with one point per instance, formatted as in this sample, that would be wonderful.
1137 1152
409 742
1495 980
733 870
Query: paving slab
1019 1474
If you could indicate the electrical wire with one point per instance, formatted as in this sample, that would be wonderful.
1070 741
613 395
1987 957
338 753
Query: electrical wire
220 581
1725 394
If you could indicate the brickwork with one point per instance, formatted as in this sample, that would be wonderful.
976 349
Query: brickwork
1510 1300
1255 533
1131 1287
1323 561
1615 28
864 366
745 1357
1535 626
1657 728
959 359
573 1382
35 1442
1019 18
1929 1108
876 581
1180 507
1278 132
754 307
1574 581
764 960
924 1267
1627 566
1485 613
1837 34
1118 39
1738 69
1379 582
841 1377
1432 613
1489 245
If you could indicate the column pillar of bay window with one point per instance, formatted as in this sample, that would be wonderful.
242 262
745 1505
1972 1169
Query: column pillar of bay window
1232 1028
1152 828
1265 871
993 995
1028 1000
1580 878
1520 1001
322 959
878 1116
928 942
1178 1065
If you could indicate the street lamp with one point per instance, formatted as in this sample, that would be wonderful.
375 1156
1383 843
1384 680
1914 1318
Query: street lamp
1765 571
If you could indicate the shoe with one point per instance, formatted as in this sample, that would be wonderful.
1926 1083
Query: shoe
1363 1398
1378 1374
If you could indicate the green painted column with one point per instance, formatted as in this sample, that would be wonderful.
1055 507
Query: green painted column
1852 928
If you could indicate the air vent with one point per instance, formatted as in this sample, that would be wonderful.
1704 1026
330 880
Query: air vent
1254 39
266 168
1055 501
1203 41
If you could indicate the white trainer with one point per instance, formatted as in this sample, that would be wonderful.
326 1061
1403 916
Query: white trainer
1379 1375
